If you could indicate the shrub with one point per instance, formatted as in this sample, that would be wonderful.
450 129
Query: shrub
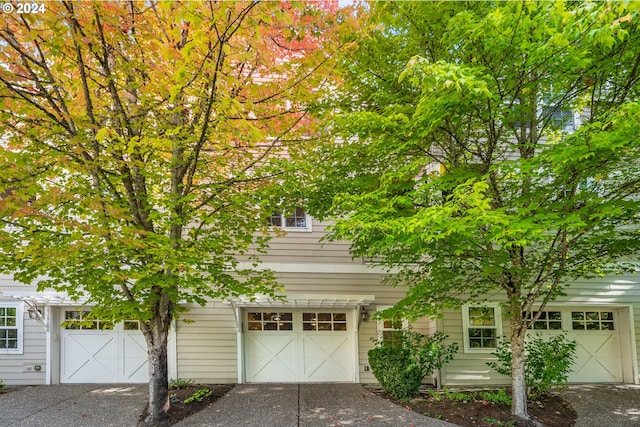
396 371
548 362
428 351
400 369
1 385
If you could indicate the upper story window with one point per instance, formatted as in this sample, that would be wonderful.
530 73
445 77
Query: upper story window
482 326
10 328
297 220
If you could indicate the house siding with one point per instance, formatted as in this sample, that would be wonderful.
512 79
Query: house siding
207 346
14 367
616 292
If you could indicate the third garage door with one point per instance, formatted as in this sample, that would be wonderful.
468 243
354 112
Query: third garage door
299 345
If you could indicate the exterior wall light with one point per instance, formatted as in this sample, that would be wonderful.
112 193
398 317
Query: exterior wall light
364 314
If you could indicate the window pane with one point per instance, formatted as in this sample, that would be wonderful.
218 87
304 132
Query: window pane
340 317
606 315
481 316
270 326
554 315
254 316
286 317
340 327
308 327
307 317
577 315
324 326
475 333
324 317
555 325
286 326
593 315
607 326
12 334
131 325
254 326
275 220
578 326
593 326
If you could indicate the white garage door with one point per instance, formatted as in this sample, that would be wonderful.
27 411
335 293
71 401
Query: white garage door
597 334
299 345
99 352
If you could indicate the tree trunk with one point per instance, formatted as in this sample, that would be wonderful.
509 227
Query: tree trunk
518 383
158 379
157 336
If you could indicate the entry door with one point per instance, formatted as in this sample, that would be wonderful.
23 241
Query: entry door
299 346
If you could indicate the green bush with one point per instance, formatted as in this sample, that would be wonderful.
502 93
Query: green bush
548 362
396 371
402 367
1 385
428 351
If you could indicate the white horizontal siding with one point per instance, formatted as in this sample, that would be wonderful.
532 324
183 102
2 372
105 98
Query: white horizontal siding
305 247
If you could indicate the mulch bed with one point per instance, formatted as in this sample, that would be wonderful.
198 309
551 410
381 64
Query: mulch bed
550 410
180 410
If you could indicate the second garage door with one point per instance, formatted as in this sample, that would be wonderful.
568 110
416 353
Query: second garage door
293 345
597 335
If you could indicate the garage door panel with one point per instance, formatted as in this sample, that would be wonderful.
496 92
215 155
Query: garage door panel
327 358
597 357
89 358
134 358
271 357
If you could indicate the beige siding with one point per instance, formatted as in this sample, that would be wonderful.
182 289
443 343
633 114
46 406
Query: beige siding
13 367
207 348
617 292
305 247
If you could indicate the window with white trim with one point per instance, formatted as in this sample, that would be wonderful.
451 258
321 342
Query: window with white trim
297 220
482 326
11 328
391 330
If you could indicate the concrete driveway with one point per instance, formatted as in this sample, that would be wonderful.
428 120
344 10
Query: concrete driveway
308 405
265 405
73 405
605 404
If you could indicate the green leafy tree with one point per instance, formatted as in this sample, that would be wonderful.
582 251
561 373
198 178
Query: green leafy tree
138 149
450 156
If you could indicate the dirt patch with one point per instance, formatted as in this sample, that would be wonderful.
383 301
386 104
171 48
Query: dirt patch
180 410
550 410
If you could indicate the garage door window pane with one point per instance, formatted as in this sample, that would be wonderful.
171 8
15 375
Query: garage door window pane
548 320
592 320
324 321
81 320
269 321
